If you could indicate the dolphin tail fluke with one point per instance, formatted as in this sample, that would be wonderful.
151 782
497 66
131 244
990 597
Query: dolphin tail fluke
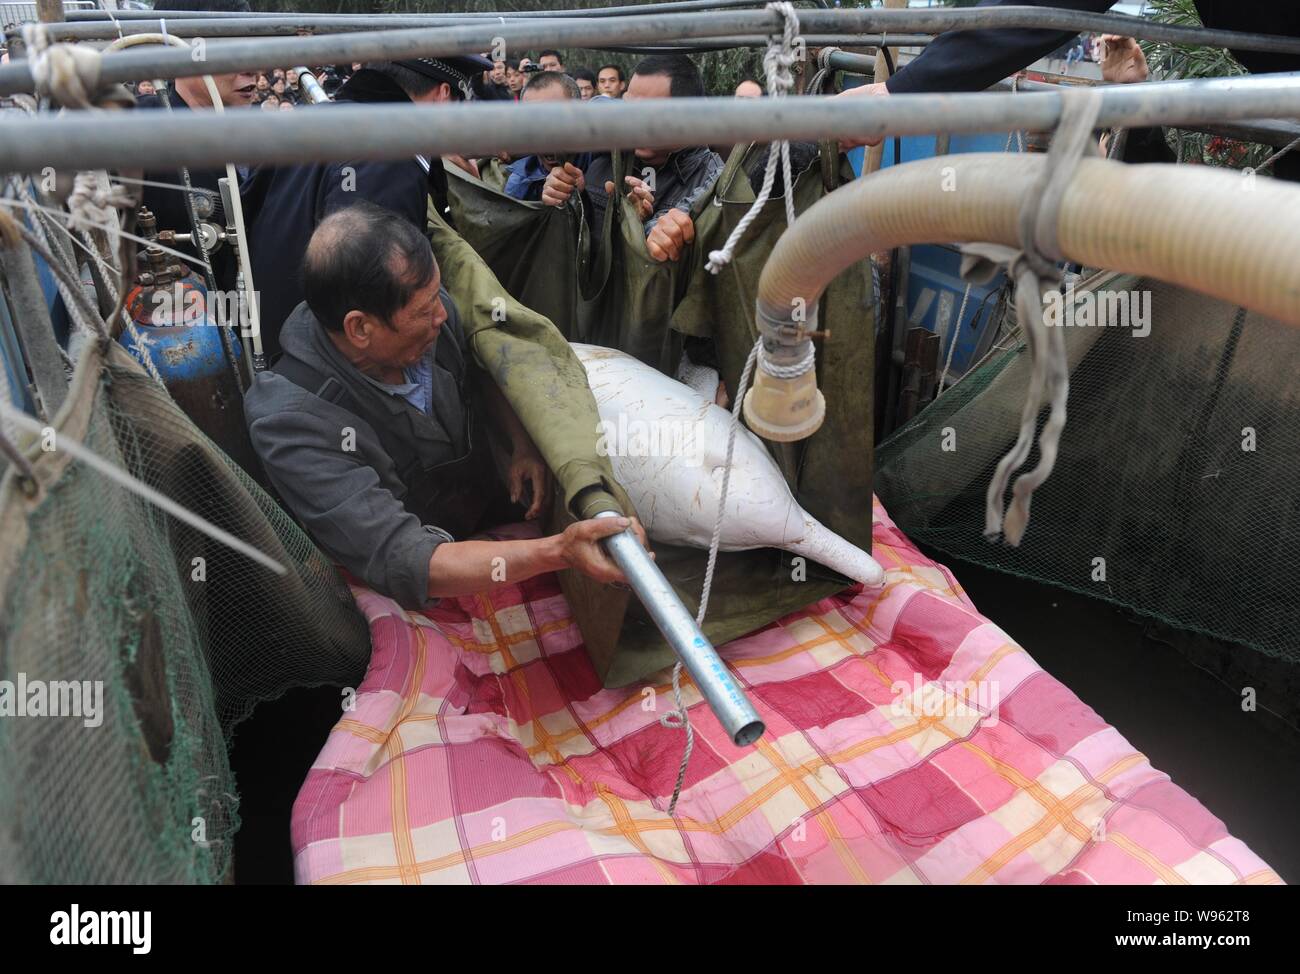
826 547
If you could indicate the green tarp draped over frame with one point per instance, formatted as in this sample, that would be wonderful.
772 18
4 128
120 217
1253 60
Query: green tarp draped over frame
535 369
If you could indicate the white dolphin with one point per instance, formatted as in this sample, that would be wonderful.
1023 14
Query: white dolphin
668 445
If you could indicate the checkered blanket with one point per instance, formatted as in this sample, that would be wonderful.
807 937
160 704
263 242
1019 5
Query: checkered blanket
909 740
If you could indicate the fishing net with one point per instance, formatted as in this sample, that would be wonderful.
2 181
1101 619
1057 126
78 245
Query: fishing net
183 634
1173 495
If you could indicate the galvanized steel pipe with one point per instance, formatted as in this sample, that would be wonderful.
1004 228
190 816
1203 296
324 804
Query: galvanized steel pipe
379 131
246 55
709 674
673 6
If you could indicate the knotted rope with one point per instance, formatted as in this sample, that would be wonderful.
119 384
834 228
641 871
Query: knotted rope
95 200
67 74
777 62
823 70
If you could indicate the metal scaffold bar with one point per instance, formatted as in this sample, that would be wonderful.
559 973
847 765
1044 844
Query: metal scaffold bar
1267 131
674 6
221 57
292 26
1276 132
380 131
703 44
212 24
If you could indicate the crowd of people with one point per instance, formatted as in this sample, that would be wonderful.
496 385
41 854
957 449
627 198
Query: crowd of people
351 216
278 89
505 80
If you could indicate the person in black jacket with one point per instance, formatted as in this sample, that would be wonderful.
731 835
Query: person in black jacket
971 60
284 205
169 205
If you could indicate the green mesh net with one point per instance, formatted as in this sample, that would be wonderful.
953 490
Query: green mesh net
1173 494
183 635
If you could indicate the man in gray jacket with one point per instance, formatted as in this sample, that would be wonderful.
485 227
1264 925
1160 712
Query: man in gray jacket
375 428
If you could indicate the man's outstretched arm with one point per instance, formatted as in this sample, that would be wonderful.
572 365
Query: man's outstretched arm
471 567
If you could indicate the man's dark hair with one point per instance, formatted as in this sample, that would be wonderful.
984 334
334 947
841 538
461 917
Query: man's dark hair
554 54
583 74
615 67
683 75
364 258
553 79
415 85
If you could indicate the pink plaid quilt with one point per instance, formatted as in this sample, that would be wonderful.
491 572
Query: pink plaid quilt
909 740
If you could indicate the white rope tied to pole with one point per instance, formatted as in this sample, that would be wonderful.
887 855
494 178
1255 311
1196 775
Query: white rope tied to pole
777 62
67 74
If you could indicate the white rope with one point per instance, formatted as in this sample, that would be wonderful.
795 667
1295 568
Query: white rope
116 23
956 330
679 718
59 215
67 74
805 364
195 190
777 62
94 202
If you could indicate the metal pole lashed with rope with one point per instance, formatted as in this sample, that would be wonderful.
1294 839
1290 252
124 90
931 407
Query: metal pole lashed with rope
222 57
85 140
